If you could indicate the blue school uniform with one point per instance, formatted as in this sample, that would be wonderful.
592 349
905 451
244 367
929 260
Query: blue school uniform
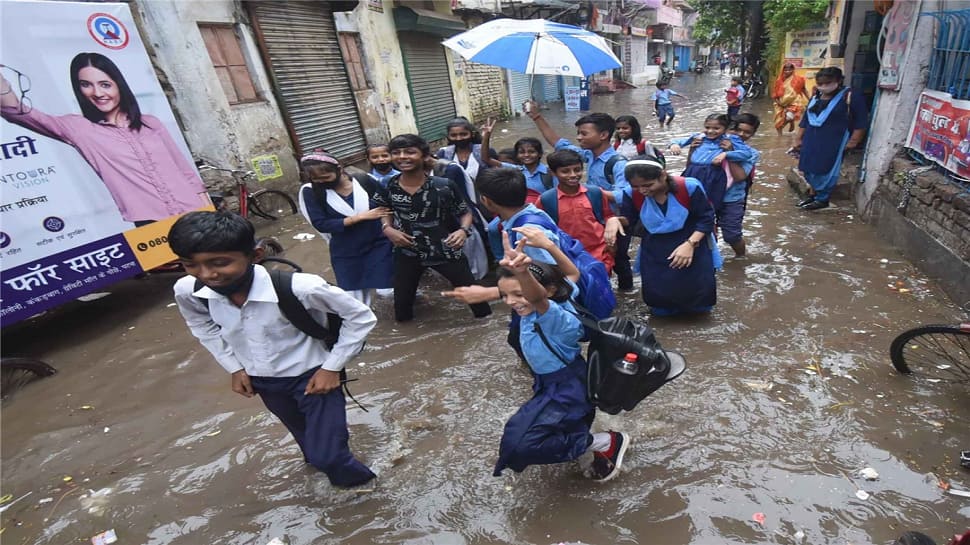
739 189
828 125
666 290
533 180
360 254
712 177
553 426
596 165
383 178
661 100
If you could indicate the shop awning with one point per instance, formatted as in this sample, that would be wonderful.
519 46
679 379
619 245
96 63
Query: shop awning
424 20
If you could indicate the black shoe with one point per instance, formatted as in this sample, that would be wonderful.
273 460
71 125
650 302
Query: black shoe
806 202
816 205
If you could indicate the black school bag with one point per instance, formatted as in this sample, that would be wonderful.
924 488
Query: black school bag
293 310
611 339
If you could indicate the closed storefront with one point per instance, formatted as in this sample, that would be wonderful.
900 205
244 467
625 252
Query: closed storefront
299 43
547 88
428 83
519 89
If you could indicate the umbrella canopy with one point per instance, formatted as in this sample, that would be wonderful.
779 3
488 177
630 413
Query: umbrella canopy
535 46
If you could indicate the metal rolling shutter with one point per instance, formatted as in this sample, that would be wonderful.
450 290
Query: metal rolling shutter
550 88
300 41
520 89
429 83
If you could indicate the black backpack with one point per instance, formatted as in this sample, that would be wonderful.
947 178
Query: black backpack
610 340
293 310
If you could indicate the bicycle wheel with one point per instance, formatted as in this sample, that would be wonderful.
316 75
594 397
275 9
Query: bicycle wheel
938 353
15 373
271 204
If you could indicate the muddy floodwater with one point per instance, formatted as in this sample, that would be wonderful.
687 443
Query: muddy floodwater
788 393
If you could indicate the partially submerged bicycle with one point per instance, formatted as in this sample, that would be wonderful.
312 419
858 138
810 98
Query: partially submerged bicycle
935 353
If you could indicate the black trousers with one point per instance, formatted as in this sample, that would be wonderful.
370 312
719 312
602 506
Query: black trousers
407 274
621 266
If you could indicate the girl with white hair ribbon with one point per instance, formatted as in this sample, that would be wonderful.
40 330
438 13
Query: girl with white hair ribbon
678 254
339 208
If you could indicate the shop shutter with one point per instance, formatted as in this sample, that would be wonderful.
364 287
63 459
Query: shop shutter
520 89
300 41
550 88
429 83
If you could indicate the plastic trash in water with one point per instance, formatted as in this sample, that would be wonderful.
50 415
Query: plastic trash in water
759 518
869 474
105 538
304 236
862 494
277 541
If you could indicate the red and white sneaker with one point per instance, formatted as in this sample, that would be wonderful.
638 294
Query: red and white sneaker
606 464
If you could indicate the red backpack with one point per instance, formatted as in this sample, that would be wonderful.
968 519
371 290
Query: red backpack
680 193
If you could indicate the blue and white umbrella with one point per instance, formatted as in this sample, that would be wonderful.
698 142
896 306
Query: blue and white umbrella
535 46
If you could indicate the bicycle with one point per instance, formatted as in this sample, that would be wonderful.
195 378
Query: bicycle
16 373
935 352
268 204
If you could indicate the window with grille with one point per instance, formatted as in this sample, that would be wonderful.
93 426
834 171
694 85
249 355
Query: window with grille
950 62
226 53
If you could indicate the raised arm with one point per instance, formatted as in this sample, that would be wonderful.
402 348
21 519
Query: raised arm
486 130
518 262
537 238
544 127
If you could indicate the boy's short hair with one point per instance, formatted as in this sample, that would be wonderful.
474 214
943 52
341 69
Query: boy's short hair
205 231
402 141
747 119
564 158
503 186
735 79
603 122
372 147
661 84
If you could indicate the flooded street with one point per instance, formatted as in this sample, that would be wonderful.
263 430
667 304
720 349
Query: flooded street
788 393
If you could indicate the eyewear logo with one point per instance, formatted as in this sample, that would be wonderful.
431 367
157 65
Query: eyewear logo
108 31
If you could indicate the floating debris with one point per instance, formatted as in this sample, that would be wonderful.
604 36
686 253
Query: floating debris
869 474
105 538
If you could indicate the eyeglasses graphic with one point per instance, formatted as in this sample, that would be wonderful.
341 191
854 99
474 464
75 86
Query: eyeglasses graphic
23 85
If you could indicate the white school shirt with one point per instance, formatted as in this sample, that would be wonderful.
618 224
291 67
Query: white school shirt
257 338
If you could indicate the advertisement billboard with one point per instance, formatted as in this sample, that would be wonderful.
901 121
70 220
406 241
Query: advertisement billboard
939 131
93 166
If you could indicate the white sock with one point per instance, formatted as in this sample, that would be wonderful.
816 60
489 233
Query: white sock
601 442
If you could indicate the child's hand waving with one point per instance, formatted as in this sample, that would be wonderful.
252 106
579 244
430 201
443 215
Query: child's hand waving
515 259
487 127
535 237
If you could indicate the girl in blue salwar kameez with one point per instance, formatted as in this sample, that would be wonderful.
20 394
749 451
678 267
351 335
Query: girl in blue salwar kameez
553 426
678 254
833 122
339 207
706 158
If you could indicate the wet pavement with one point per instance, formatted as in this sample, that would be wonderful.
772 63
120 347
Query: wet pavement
789 392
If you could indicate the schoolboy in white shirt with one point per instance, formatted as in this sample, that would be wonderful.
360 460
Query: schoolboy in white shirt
235 314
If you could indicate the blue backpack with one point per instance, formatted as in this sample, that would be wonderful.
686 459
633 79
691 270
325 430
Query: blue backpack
595 291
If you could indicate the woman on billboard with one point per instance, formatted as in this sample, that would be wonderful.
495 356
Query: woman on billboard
133 153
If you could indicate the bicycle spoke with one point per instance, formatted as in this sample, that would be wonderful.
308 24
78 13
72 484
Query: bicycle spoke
939 356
